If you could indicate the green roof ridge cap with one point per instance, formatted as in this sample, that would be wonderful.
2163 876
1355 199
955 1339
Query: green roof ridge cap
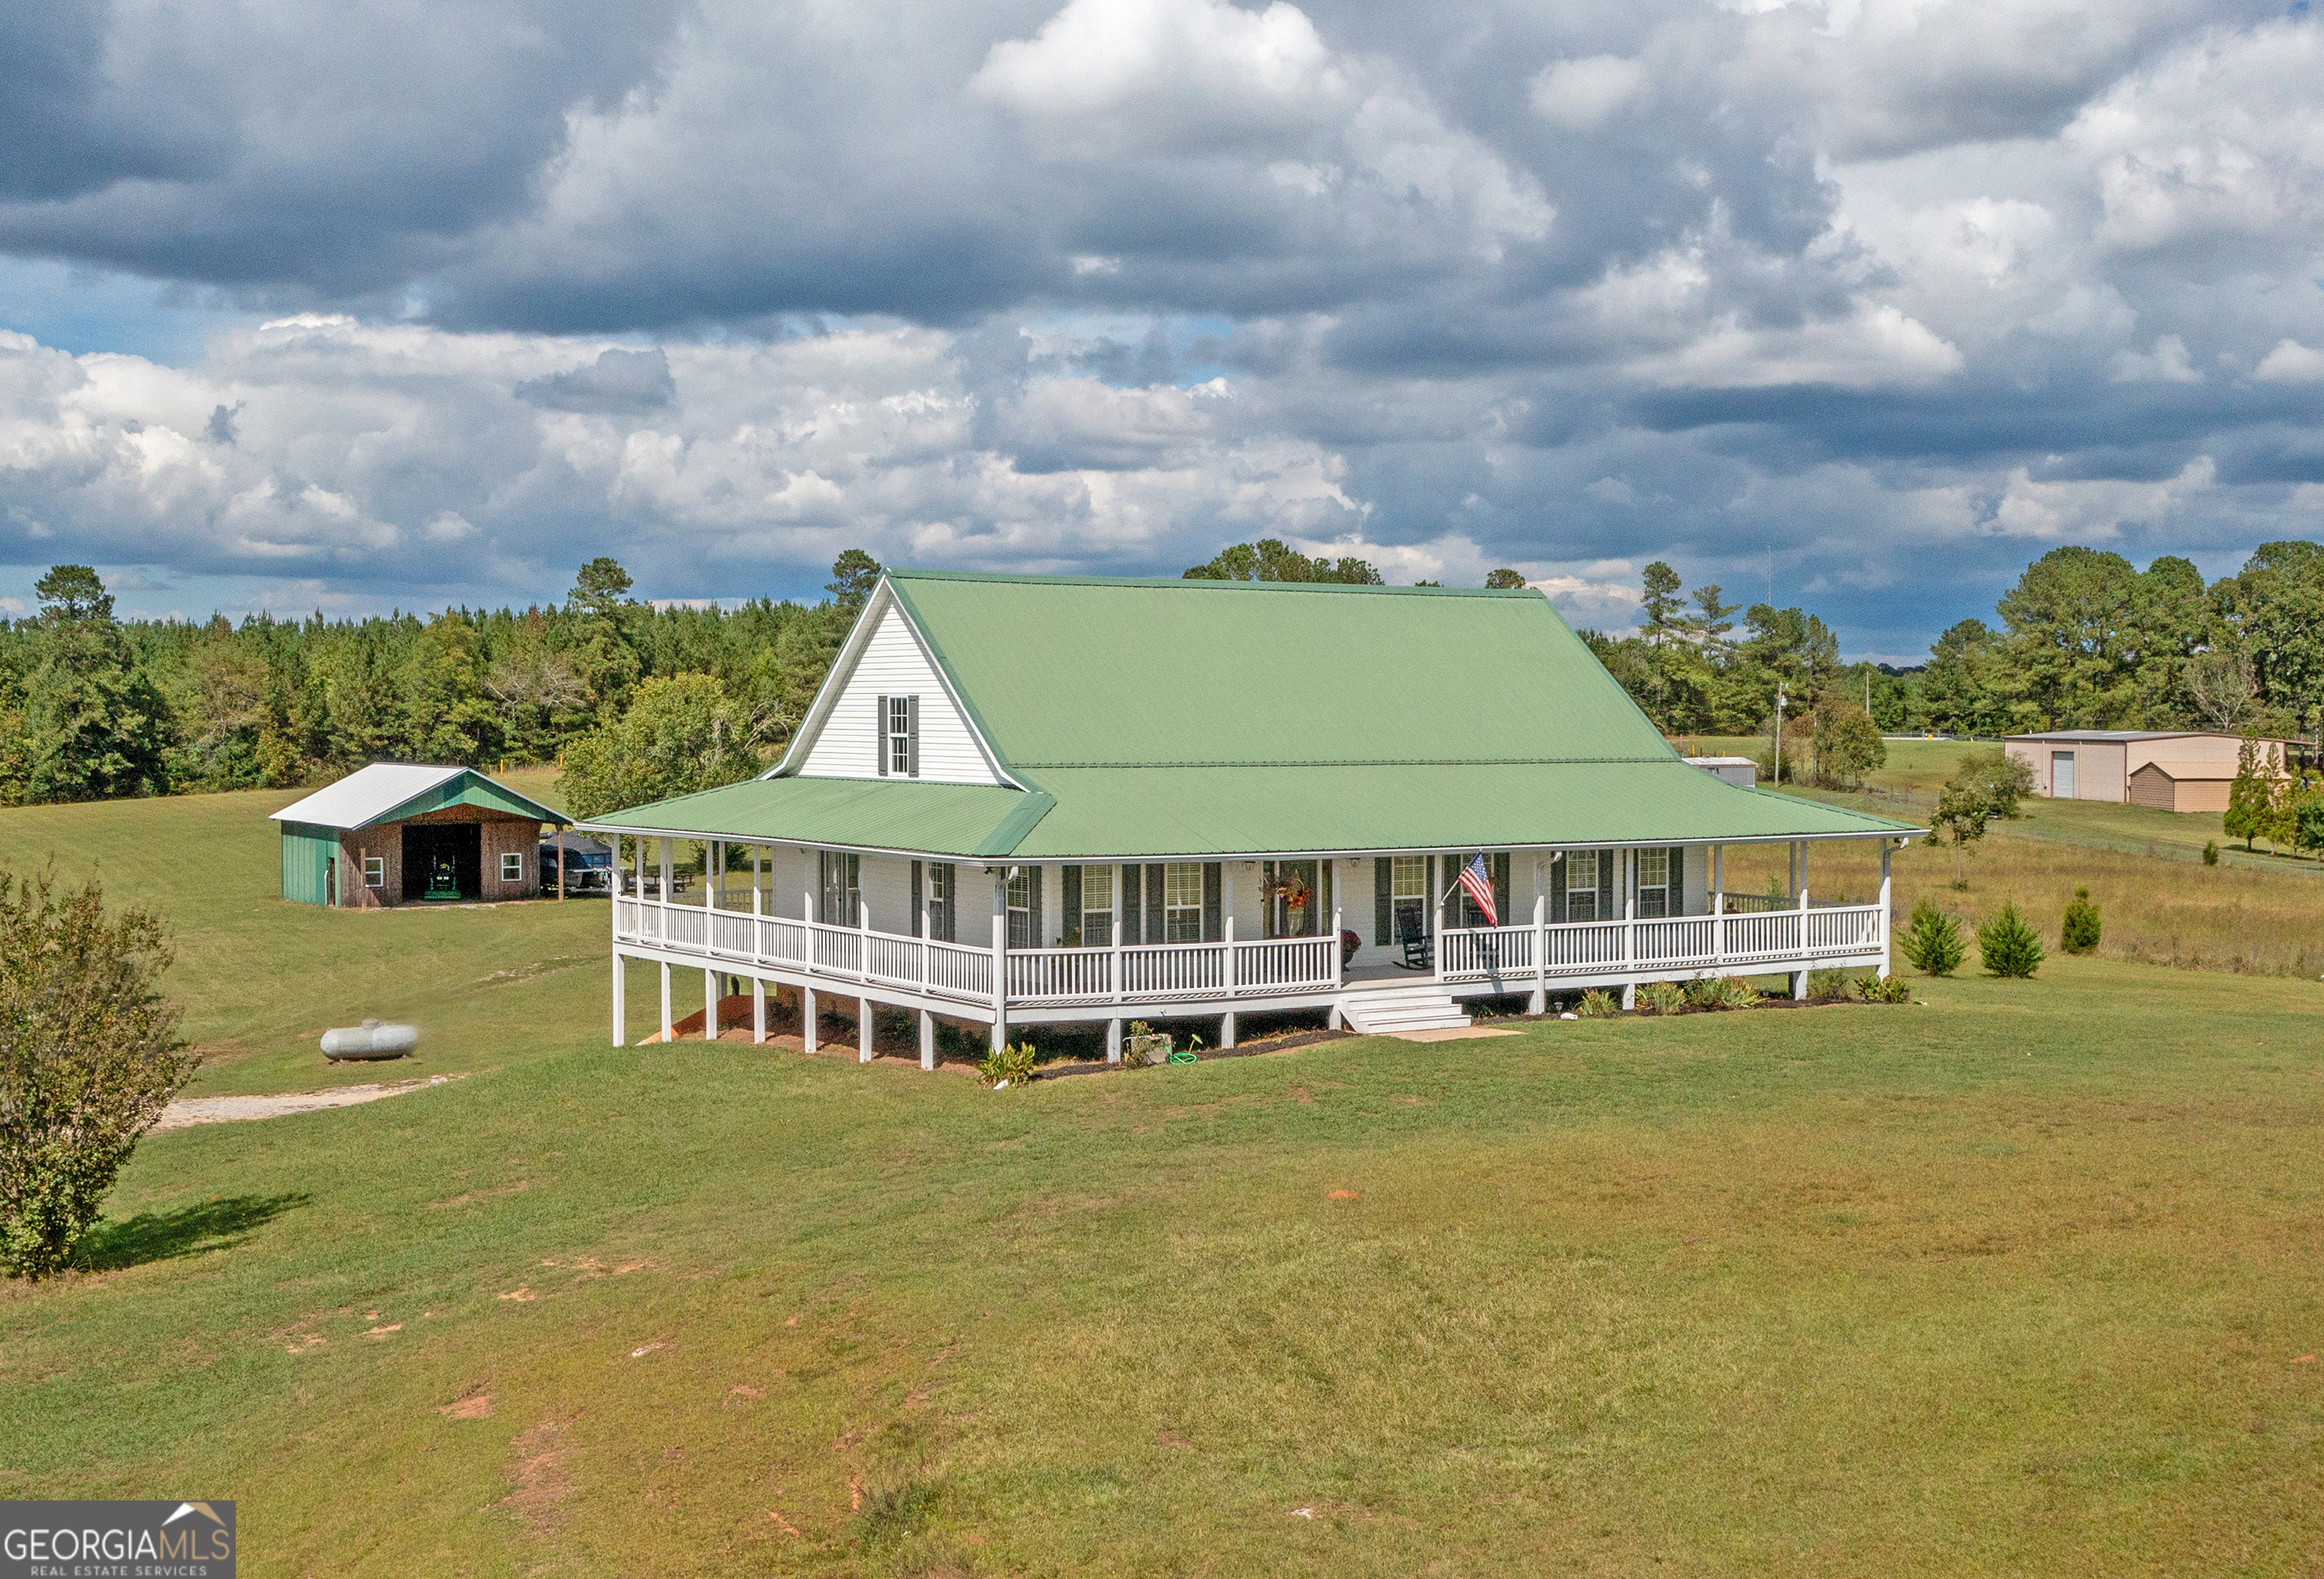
1201 582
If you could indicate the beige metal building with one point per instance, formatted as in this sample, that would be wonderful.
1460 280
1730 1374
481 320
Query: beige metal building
2170 770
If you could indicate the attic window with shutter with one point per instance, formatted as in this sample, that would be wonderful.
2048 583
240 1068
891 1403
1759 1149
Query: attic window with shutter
899 737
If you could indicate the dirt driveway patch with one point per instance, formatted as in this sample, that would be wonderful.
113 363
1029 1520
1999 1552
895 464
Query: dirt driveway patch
187 1112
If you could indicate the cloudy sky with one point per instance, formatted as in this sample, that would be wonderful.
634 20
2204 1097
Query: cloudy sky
1868 301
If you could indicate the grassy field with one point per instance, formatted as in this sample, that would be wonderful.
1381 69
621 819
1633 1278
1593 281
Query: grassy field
2253 913
2018 1280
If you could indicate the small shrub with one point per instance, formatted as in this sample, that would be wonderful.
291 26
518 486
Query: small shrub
1932 940
1873 988
1662 998
1703 992
1009 1066
2009 945
1735 993
1598 1004
2210 851
1828 986
2078 933
89 1056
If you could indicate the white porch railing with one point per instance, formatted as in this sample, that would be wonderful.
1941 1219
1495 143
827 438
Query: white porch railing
1752 941
858 957
1740 941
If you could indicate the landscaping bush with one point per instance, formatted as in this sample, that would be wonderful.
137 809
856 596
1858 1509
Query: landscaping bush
1828 986
1932 940
1873 988
2078 933
1662 998
2210 851
89 1056
2007 943
1598 1004
1703 992
1735 993
1007 1066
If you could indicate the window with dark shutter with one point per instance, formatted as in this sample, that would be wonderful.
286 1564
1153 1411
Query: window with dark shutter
1133 907
1557 888
919 899
1069 905
1383 902
1678 880
1606 908
1213 885
912 736
943 877
1157 914
879 739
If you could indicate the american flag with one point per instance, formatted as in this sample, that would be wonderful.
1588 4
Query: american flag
1477 884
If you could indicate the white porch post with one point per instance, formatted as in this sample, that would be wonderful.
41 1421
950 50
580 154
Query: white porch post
1800 976
709 1005
758 1009
620 999
1539 1002
1629 928
1227 877
1113 1052
1339 971
866 1024
1887 923
669 861
1000 957
808 1016
1436 938
1114 1041
1718 925
664 1002
755 879
713 875
1227 1029
927 1041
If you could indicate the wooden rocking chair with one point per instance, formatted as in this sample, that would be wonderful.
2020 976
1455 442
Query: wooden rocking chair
1419 948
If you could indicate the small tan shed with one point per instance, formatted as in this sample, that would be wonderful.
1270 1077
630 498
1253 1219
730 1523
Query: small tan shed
2180 787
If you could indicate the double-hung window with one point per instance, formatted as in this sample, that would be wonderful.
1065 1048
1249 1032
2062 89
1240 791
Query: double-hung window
940 881
1182 901
1408 895
1654 882
1097 907
899 737
1581 885
375 871
843 896
1021 924
511 867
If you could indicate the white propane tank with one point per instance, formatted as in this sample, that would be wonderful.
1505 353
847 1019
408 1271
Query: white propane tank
371 1039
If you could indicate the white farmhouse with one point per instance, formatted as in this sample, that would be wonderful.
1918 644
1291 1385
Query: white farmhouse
1033 799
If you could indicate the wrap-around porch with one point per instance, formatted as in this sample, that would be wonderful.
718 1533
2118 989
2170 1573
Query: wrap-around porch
995 943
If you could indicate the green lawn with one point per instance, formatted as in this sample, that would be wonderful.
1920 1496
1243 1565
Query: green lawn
2018 1281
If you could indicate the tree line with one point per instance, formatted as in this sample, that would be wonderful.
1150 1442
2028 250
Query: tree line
93 707
640 699
2084 640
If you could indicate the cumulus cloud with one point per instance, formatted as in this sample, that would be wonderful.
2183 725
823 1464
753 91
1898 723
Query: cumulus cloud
1794 295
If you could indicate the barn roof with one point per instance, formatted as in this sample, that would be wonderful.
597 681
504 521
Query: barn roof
391 792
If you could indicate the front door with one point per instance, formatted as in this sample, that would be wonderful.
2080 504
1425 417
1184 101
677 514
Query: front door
1293 905
2061 775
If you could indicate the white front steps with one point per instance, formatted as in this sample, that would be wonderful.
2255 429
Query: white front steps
1383 1011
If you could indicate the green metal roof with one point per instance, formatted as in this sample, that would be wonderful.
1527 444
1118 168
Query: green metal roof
1086 672
1160 812
1155 718
879 814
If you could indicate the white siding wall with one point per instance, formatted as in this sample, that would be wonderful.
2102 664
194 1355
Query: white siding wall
892 665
